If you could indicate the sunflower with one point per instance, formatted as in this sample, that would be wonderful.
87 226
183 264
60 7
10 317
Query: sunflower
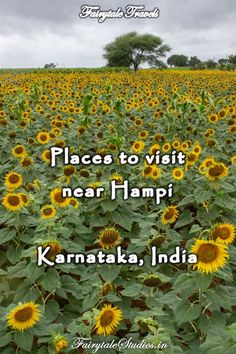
211 255
108 319
147 170
55 248
13 180
26 161
166 147
74 202
138 146
106 289
19 151
57 199
233 160
23 316
152 280
222 114
223 233
217 171
184 146
69 170
176 144
12 201
155 172
48 211
43 138
177 173
24 199
60 342
153 149
208 162
232 129
191 158
143 134
170 215
118 178
213 118
46 156
109 237
197 149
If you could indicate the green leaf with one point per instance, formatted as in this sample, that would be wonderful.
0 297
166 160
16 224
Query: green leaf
5 339
109 273
195 228
13 254
218 297
206 323
184 281
201 195
122 219
185 219
109 205
185 311
202 281
24 340
52 310
2 272
34 272
90 301
50 280
17 271
6 235
132 290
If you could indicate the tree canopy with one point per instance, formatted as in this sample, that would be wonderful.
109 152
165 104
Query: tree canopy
178 60
132 49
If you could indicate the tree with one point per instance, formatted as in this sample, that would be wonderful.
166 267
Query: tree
211 64
194 62
178 60
232 59
132 49
223 61
49 66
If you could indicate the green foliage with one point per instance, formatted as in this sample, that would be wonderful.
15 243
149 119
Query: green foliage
132 49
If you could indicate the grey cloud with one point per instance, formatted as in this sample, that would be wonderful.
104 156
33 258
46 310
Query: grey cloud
34 32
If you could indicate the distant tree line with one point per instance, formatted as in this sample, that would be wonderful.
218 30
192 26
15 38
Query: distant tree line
180 60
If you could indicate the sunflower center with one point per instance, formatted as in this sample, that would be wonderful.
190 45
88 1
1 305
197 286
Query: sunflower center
43 137
26 162
48 155
47 211
68 171
216 171
208 163
169 214
59 198
14 178
24 314
191 157
207 253
154 151
13 200
24 198
224 233
147 170
19 150
109 237
136 146
106 318
177 173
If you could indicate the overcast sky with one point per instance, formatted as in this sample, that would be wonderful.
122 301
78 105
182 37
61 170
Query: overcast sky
35 32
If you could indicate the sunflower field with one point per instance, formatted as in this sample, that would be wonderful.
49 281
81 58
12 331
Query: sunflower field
181 308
